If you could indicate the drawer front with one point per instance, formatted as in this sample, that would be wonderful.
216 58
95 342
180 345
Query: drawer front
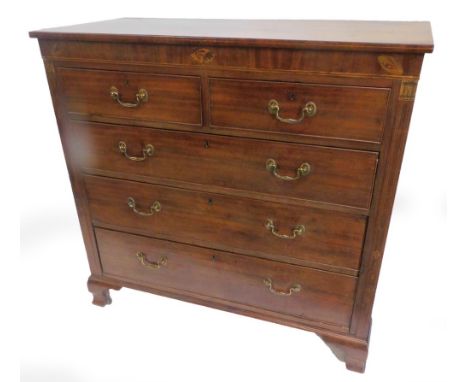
336 176
292 290
342 112
136 97
316 237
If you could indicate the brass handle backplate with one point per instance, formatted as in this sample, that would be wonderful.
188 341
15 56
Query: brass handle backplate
296 288
149 264
147 151
309 110
140 96
302 170
296 231
155 207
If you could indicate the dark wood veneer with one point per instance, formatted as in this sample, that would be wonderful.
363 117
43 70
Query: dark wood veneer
209 83
331 240
304 61
324 297
343 177
346 112
175 99
355 35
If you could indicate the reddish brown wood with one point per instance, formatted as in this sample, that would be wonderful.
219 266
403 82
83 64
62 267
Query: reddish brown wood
271 59
173 99
382 205
76 181
344 177
331 240
209 85
343 112
352 352
204 73
323 297
100 291
332 34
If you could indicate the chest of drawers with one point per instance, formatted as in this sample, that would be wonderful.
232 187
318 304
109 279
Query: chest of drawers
249 166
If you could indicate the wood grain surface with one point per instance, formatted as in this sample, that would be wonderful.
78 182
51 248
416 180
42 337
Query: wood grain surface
356 113
337 176
175 99
323 296
331 240
335 34
305 253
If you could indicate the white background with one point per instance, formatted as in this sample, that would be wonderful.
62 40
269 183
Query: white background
48 321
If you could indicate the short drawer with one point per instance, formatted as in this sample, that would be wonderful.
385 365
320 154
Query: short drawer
337 176
282 288
130 96
314 237
341 112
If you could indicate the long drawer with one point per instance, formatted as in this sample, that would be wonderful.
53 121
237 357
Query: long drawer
341 112
314 237
291 290
337 176
130 96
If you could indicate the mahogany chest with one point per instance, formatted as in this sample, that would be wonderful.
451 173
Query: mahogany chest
249 166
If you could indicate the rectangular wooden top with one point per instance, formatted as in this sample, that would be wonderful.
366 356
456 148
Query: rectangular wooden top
393 36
